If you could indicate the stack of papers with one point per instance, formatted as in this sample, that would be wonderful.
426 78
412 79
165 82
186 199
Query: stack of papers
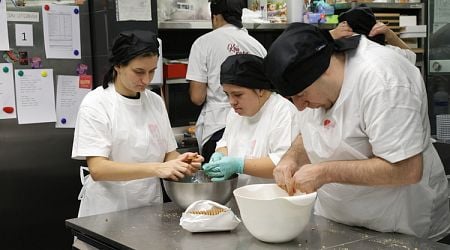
413 31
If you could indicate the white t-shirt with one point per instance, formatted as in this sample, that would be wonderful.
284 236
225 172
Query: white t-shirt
123 130
381 111
207 54
269 132
146 119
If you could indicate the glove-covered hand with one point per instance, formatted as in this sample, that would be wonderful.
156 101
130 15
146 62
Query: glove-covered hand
224 168
216 156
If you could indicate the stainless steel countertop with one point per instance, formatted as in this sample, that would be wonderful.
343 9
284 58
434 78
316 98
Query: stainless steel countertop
157 227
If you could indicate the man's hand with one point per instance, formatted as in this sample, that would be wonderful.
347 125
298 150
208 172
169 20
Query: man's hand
283 174
309 178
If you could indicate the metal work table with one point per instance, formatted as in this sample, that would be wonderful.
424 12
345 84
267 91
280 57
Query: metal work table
157 227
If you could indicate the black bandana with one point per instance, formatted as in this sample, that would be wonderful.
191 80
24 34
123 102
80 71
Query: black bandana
231 10
244 70
130 44
361 19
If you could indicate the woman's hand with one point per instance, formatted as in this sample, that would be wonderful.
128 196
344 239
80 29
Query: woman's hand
193 159
341 30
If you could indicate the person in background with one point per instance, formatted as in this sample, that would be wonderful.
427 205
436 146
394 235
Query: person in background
259 128
365 143
124 134
361 20
228 37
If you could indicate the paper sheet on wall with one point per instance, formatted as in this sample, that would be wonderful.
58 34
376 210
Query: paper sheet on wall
7 96
69 95
35 95
136 10
61 31
4 42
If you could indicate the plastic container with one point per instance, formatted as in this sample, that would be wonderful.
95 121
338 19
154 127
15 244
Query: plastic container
270 214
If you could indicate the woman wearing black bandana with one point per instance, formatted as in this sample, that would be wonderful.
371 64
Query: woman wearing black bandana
365 143
124 134
227 38
260 127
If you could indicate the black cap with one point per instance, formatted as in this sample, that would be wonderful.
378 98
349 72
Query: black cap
130 44
231 10
361 19
300 55
244 70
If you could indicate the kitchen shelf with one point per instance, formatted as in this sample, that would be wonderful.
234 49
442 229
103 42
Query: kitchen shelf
190 24
342 6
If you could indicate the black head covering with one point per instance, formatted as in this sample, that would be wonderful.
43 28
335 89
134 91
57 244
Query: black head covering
128 45
361 19
244 70
231 10
300 55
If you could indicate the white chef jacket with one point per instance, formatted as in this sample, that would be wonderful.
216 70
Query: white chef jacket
381 111
207 54
269 132
124 130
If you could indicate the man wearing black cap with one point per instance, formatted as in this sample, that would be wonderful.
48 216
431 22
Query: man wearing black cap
259 129
207 54
365 142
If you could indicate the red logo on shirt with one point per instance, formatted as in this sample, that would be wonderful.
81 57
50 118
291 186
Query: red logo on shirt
234 48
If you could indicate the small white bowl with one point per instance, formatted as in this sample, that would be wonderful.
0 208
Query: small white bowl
270 214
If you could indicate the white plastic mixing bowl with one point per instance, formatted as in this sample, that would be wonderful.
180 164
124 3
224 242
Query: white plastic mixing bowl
270 214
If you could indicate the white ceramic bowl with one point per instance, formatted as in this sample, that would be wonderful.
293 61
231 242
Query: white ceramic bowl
270 214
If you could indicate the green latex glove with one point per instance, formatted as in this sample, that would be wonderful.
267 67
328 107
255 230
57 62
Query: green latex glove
224 168
216 156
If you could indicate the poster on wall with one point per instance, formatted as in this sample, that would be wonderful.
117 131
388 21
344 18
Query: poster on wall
61 31
4 42
35 95
69 94
137 10
7 97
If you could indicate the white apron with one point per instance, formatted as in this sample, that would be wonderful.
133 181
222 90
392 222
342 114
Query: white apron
131 143
211 119
384 209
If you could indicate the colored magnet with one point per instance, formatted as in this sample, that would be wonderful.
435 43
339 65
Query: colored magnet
5 69
63 120
8 110
46 7
36 62
76 11
76 52
23 58
20 73
44 73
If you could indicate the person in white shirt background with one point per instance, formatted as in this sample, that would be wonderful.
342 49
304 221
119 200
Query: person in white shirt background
365 143
361 20
260 127
228 37
124 134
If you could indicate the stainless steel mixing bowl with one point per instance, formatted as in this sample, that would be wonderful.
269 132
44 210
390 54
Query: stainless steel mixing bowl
199 187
